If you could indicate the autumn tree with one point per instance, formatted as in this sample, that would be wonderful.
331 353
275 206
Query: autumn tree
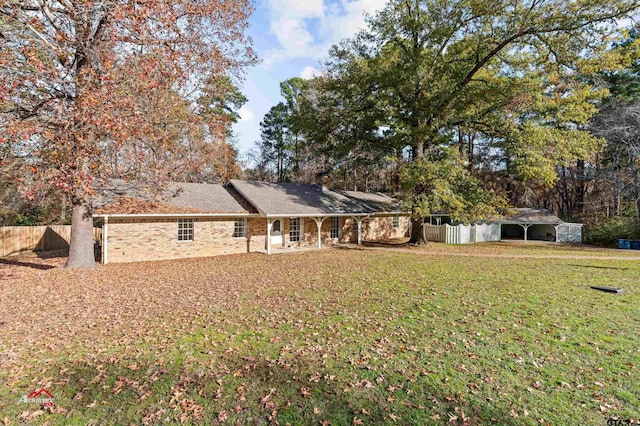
87 84
423 68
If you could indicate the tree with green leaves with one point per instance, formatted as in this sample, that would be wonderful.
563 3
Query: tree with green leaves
504 68
292 90
276 142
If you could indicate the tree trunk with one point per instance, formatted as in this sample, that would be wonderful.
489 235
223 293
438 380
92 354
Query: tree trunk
418 151
417 234
581 186
81 253
470 150
636 182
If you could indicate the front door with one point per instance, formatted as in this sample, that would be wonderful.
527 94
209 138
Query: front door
276 232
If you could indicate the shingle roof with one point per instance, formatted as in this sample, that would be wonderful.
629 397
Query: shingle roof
377 200
121 197
241 197
208 197
127 205
290 199
531 217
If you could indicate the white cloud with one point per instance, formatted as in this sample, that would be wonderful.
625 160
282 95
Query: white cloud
307 29
344 22
310 72
246 114
297 8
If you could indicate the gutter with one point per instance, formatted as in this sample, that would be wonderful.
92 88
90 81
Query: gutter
279 215
170 215
237 215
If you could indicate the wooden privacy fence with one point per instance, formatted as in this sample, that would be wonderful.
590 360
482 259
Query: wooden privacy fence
15 239
462 234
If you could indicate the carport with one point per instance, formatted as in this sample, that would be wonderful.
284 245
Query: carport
538 225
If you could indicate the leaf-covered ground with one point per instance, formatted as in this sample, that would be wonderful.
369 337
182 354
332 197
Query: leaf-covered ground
323 337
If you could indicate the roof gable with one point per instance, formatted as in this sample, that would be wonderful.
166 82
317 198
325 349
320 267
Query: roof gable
210 198
122 197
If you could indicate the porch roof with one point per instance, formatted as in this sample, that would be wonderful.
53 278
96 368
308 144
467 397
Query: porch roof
530 217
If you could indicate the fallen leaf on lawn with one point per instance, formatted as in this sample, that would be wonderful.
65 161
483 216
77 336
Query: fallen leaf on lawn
266 398
35 414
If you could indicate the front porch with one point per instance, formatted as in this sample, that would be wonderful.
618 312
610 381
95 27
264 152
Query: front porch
311 232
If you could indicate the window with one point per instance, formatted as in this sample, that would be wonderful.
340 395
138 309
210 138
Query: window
295 233
335 227
240 228
185 229
396 222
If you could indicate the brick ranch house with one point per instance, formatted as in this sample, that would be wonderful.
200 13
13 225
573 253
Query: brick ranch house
198 220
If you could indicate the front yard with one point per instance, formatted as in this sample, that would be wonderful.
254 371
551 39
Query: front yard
324 337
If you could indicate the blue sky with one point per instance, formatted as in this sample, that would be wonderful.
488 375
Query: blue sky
291 37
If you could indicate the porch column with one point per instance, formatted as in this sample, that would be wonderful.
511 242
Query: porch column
359 222
525 227
269 236
105 240
319 221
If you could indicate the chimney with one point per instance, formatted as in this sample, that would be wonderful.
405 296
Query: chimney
323 181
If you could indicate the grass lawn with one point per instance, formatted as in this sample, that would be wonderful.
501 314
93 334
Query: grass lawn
341 337
516 248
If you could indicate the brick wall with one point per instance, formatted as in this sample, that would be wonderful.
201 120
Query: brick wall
134 240
380 228
257 233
